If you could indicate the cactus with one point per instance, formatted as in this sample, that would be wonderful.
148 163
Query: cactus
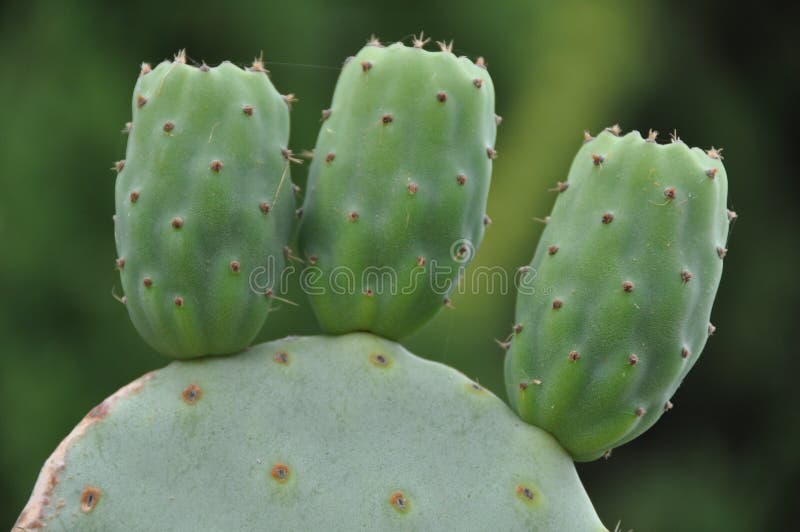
398 186
353 431
625 276
308 434
203 200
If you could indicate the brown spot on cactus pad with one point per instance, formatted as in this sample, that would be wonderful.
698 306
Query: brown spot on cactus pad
280 472
525 493
191 394
379 359
89 498
399 501
627 286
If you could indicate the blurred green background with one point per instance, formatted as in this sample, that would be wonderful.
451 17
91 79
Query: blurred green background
724 459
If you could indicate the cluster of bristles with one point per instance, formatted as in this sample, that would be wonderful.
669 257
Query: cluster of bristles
652 137
419 42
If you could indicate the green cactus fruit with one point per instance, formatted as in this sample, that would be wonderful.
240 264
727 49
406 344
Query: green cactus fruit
314 433
615 309
396 196
204 205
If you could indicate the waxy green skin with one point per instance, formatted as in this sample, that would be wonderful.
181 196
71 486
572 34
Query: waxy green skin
188 288
606 397
385 206
353 420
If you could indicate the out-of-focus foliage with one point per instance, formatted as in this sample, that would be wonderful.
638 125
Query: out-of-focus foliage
723 459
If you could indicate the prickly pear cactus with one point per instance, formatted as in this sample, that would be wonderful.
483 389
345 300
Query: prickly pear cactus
308 434
396 196
625 276
204 203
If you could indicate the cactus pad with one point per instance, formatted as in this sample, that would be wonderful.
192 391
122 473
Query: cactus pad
397 190
625 276
204 203
317 433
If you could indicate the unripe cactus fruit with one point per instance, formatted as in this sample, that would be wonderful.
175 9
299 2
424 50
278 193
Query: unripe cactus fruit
203 203
308 434
625 276
397 190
